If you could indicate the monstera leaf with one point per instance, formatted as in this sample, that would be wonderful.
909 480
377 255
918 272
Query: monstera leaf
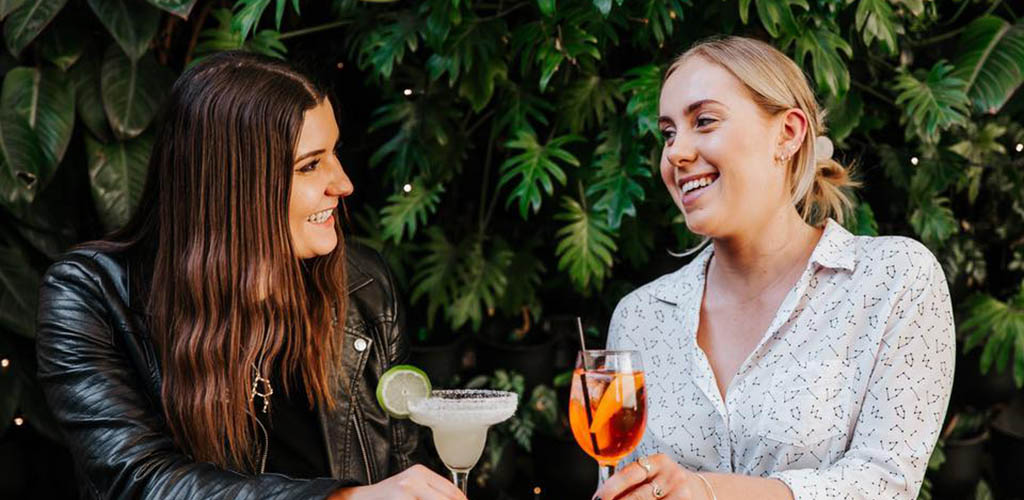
117 173
27 21
991 62
46 99
132 91
132 23
408 210
536 169
585 245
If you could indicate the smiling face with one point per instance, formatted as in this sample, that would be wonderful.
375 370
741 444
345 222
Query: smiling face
718 161
318 182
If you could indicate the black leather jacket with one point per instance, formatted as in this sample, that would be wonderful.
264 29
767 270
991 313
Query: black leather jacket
99 370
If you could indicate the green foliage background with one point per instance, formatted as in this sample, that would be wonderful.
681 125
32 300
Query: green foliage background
506 151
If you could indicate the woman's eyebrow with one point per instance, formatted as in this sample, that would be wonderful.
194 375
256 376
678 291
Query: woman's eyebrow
307 155
694 106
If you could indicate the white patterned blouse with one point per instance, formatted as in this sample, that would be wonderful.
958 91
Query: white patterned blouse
843 397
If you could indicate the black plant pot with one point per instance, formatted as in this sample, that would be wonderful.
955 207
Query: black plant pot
441 361
972 388
958 476
1007 448
562 469
533 358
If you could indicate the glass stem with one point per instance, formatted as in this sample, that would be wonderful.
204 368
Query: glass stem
605 471
460 478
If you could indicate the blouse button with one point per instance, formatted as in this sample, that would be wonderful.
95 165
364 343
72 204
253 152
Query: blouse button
360 345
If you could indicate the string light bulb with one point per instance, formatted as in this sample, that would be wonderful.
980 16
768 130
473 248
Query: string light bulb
1020 147
407 92
913 160
4 363
19 421
407 188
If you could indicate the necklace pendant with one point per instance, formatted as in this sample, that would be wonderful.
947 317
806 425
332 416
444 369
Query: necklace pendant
261 387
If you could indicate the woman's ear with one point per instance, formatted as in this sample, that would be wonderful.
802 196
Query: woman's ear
791 136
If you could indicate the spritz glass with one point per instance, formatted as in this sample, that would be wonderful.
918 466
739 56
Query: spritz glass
609 417
459 420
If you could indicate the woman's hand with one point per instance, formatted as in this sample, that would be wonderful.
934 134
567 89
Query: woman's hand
666 480
415 483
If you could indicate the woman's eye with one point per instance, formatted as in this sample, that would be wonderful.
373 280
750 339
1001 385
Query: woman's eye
702 121
309 167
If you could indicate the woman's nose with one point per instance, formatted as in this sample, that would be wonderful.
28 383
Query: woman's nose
680 152
340 185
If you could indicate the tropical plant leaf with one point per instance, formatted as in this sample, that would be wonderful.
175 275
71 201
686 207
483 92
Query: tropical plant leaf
22 162
385 46
863 221
547 7
268 43
843 116
933 220
605 6
481 282
619 166
28 20
405 211
980 142
826 49
776 15
132 23
423 133
991 62
475 52
132 91
520 109
1000 326
6 7
85 78
585 245
588 101
876 21
117 172
63 44
19 285
524 278
661 15
247 15
536 169
180 8
931 102
435 275
643 83
218 38
46 99
916 7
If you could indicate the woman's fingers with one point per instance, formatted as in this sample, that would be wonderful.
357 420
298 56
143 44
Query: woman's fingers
629 477
441 486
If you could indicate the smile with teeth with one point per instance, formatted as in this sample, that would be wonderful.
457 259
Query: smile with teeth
697 183
320 217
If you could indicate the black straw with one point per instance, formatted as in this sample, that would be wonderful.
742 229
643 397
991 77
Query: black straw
586 391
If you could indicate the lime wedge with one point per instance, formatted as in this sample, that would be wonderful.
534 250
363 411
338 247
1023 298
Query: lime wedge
398 385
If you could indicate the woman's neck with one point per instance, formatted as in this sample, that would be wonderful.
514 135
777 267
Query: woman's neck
764 253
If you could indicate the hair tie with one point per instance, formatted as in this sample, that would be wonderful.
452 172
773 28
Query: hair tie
823 148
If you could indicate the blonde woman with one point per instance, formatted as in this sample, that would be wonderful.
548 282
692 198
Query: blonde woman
790 358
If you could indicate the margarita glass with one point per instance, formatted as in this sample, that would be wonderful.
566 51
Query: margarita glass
459 420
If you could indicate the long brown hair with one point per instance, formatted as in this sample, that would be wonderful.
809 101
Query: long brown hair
227 290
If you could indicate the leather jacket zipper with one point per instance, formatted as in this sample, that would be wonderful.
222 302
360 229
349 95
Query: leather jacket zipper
266 447
362 444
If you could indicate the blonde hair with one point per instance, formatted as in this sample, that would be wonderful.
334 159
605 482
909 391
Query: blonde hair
819 188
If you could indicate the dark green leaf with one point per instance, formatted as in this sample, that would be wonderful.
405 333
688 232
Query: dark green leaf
875 20
991 62
863 221
585 247
931 103
825 47
19 286
643 83
619 166
776 15
268 43
27 21
843 116
588 101
46 99
547 7
536 168
933 220
482 280
605 6
131 22
22 162
180 8
435 276
980 142
385 46
248 15
117 173
85 77
405 211
132 91
63 44
6 7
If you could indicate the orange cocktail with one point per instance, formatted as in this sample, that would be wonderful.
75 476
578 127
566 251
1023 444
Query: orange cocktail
617 402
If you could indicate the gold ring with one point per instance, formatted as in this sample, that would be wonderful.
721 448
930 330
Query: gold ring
656 490
646 464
